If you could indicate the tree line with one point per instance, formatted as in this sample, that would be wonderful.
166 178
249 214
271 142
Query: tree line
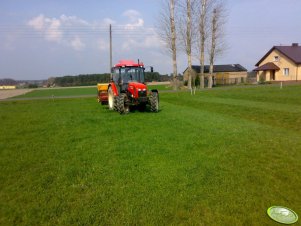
194 27
7 82
93 79
78 80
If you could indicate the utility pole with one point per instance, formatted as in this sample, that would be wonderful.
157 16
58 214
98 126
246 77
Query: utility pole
111 50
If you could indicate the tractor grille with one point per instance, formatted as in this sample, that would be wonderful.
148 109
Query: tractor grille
142 93
142 99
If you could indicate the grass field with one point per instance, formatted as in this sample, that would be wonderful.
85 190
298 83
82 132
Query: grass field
221 157
58 92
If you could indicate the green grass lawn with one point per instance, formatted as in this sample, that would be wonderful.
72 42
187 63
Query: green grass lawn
221 157
58 92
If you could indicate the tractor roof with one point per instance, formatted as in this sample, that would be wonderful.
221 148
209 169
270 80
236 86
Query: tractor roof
128 63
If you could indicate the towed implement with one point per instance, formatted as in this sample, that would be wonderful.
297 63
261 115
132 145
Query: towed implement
128 89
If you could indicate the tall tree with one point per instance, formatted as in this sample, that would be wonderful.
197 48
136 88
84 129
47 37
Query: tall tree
184 28
203 37
167 32
217 46
213 46
188 38
173 44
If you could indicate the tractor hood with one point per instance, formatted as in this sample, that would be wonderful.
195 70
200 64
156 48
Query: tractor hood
137 85
137 89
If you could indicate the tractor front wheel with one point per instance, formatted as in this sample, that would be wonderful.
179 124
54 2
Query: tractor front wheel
122 106
154 102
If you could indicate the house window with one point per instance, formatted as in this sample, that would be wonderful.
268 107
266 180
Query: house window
286 71
276 58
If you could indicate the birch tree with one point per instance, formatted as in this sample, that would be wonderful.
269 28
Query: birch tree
167 32
173 44
203 37
217 45
184 28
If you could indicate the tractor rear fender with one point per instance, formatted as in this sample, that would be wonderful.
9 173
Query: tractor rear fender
114 88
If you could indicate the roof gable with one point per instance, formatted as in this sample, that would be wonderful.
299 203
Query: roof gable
267 66
220 68
292 52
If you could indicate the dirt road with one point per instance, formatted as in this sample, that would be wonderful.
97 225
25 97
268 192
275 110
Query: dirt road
4 94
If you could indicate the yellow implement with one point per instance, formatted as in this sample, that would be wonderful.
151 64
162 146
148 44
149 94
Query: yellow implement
102 92
102 86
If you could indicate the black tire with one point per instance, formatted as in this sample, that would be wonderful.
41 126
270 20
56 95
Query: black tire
154 102
104 102
111 100
122 106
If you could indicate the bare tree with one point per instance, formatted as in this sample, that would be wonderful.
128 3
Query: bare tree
173 44
203 37
184 28
188 40
216 45
167 32
166 29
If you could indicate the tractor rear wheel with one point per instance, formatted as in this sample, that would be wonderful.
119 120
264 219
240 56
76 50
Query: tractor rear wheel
122 106
111 99
154 102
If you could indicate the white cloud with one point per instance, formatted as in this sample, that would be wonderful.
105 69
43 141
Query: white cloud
37 23
77 33
73 21
134 25
49 27
60 29
77 44
53 31
147 39
132 14
135 20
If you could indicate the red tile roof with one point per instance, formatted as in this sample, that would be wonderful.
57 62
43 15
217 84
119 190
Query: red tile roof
292 52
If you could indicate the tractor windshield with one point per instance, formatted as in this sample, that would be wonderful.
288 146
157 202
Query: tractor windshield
132 74
129 74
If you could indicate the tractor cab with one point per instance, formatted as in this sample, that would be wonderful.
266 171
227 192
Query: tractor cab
127 72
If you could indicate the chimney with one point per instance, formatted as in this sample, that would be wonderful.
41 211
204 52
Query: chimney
295 44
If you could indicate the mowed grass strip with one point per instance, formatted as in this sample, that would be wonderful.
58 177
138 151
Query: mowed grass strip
72 91
199 161
57 92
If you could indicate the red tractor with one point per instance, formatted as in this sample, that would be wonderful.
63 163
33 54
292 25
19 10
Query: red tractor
127 89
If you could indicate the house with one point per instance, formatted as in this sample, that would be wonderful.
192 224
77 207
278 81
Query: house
222 74
7 87
280 63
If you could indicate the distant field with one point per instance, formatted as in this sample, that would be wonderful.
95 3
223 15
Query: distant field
75 91
221 157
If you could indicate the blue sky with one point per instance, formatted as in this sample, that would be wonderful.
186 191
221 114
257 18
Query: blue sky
39 39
